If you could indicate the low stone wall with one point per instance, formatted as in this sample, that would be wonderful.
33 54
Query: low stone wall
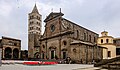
106 61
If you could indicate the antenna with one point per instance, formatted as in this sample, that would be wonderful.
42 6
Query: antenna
17 4
104 30
52 10
60 10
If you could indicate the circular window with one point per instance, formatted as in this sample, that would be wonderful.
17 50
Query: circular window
52 28
74 50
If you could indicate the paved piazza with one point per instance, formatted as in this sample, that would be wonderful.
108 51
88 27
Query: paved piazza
48 67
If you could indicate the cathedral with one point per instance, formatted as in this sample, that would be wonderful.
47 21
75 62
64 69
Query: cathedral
62 38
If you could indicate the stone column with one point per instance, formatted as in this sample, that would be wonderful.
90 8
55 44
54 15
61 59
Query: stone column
12 53
3 53
54 54
49 54
19 53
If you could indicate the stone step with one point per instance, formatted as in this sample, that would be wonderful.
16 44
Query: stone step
91 68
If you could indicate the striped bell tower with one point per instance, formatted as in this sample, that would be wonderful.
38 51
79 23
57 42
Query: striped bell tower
34 32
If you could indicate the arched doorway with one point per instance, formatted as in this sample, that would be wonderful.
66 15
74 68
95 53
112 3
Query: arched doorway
8 53
15 53
52 54
36 55
64 55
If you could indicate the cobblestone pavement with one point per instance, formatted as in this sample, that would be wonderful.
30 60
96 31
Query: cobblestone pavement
47 67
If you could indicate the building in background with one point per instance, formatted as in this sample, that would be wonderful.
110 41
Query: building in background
107 41
10 48
24 54
117 43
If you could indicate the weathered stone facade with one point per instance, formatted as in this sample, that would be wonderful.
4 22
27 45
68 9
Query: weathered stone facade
117 43
63 38
10 48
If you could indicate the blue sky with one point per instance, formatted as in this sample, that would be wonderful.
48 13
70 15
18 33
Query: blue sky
96 15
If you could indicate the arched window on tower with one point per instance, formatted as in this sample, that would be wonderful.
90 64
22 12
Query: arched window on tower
39 29
94 39
90 38
77 34
37 23
32 16
85 36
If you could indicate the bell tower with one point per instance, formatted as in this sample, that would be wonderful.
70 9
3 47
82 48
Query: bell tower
34 32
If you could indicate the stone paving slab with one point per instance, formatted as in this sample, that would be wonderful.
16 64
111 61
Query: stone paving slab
45 67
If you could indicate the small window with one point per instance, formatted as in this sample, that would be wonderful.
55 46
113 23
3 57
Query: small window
77 34
64 42
114 41
32 16
43 46
101 40
37 23
15 44
94 39
84 36
107 40
109 53
90 38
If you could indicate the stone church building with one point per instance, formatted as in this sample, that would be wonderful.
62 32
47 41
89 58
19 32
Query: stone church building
62 38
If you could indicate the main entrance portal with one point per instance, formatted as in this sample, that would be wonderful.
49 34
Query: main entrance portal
52 54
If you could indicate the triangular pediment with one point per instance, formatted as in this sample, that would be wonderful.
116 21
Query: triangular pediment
53 15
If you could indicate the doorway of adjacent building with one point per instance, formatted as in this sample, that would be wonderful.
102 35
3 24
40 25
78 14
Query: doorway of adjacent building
43 55
8 53
15 53
52 54
64 55
109 53
117 51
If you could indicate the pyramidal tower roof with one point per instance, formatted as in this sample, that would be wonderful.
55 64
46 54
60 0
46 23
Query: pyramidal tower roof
35 10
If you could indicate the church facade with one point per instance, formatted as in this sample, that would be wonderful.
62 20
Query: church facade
63 38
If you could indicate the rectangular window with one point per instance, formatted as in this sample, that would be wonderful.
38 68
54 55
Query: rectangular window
109 53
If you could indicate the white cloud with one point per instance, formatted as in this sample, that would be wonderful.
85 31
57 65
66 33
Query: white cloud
5 9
